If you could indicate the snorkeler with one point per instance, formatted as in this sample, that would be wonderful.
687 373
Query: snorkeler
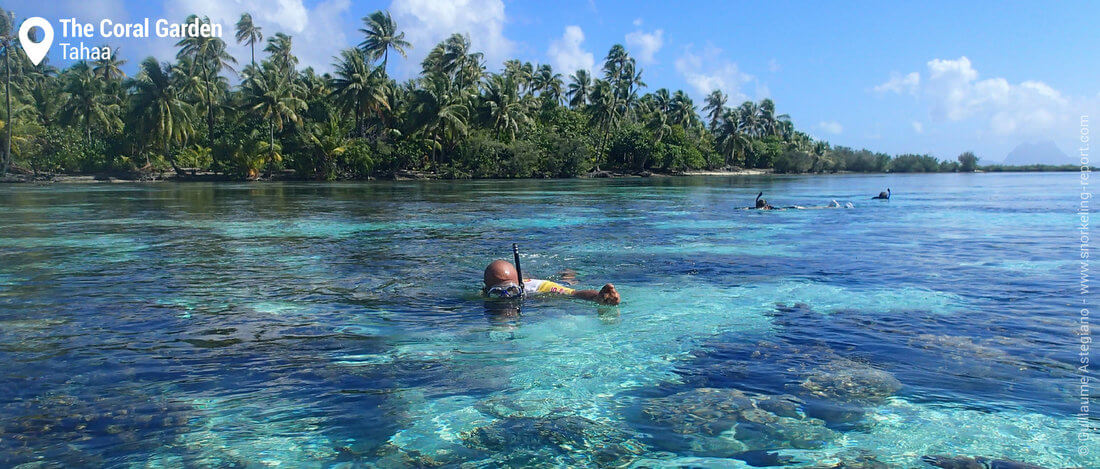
762 204
882 195
502 281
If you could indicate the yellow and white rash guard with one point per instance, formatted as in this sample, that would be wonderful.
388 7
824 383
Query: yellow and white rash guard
533 286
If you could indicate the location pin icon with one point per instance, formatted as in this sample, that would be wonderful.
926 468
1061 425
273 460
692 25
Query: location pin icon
36 50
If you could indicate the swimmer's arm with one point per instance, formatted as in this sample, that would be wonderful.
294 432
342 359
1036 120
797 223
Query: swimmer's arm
605 296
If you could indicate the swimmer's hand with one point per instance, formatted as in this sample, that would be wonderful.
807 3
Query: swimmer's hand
608 295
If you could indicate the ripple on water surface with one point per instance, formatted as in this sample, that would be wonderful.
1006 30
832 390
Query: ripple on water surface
319 325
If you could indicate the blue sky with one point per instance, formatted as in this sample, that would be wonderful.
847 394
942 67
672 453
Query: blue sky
933 77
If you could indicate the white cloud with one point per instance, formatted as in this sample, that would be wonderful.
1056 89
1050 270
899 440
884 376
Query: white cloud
900 84
832 127
317 32
918 127
645 45
566 53
637 21
427 22
708 71
953 92
773 66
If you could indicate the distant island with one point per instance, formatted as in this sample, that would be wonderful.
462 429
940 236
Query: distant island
455 120
1043 153
1039 156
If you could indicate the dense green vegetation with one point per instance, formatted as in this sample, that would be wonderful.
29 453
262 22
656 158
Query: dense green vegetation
1032 168
454 120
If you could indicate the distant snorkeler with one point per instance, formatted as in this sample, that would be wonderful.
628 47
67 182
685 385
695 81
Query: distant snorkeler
762 204
882 195
502 281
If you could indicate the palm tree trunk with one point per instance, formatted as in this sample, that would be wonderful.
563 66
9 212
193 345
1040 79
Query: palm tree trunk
209 119
358 122
172 159
271 142
209 110
604 144
7 121
252 45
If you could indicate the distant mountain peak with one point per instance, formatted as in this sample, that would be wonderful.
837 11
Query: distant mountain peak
1044 152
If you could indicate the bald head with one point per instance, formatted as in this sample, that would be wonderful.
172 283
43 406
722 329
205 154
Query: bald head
499 272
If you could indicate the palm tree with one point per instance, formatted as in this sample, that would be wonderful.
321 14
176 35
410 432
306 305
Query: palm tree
329 141
281 56
715 106
786 128
620 71
749 115
314 86
547 83
7 41
452 58
382 36
28 132
629 84
158 110
440 110
658 123
613 64
358 87
772 124
521 73
605 109
579 88
88 105
208 57
507 112
249 33
731 141
275 98
682 110
767 117
48 98
662 100
110 67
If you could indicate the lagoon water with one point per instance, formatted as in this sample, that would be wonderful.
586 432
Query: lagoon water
338 325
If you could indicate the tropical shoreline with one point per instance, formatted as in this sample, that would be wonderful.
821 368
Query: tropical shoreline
457 119
461 117
431 176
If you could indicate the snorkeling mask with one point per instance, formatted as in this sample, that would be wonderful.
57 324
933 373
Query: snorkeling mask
504 290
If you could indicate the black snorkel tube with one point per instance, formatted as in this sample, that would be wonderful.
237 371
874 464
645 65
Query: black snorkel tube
519 271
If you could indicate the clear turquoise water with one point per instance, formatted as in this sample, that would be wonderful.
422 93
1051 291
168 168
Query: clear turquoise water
338 325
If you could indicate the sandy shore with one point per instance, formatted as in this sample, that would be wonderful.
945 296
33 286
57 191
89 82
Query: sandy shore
740 172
